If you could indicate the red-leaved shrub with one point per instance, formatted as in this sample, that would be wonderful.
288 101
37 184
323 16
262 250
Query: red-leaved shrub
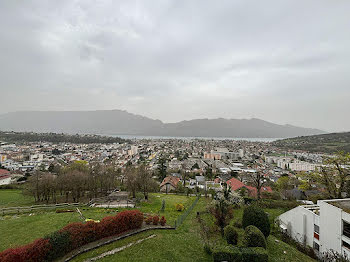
33 252
162 221
79 235
149 220
155 220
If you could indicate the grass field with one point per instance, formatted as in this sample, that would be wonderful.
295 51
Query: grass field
182 244
186 244
14 197
23 228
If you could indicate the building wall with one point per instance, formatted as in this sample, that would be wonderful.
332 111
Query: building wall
330 227
5 181
300 224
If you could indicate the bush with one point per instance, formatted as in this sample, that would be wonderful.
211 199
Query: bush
256 216
32 252
81 233
73 236
235 254
227 253
267 203
256 254
231 235
237 223
155 220
60 244
253 237
149 220
162 221
271 195
180 207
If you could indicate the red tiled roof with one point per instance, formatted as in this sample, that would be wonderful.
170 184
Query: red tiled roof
170 179
4 177
235 184
4 172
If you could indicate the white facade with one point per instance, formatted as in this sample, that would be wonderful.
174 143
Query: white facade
5 181
301 166
325 226
283 162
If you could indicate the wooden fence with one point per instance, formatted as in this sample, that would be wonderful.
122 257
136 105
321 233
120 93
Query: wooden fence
25 209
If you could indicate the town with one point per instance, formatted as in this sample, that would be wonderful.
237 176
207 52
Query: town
100 177
200 163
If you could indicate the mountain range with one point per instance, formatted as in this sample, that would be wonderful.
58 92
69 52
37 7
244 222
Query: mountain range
119 122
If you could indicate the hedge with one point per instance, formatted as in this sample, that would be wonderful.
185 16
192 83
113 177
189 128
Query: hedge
236 254
256 216
227 253
253 237
73 236
255 254
231 235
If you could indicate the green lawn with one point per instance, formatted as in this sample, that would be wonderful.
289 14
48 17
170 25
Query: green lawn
182 244
14 197
278 250
21 229
170 213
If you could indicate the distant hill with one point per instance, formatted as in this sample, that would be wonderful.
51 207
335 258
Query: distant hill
326 143
118 122
15 137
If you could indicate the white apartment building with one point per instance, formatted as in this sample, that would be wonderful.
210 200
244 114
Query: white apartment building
301 166
283 162
325 226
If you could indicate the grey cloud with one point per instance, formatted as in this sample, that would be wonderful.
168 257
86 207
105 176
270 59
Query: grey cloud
283 61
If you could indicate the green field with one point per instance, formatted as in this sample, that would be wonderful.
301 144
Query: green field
14 197
186 244
23 228
182 244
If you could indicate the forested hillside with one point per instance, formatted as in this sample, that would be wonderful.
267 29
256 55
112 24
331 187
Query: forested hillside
327 143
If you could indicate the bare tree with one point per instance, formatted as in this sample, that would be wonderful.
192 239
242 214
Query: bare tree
257 180
145 181
131 180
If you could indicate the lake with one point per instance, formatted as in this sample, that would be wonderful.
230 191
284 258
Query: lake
253 139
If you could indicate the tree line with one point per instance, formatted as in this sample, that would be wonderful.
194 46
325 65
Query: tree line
58 138
82 181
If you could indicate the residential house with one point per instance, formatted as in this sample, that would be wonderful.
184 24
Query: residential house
236 185
169 184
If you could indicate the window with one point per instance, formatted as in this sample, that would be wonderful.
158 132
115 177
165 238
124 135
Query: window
316 246
346 244
317 229
346 229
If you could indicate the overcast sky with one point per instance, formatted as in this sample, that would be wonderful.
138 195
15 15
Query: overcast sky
281 61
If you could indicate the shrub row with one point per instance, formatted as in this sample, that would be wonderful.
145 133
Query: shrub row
155 220
73 236
236 254
265 203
